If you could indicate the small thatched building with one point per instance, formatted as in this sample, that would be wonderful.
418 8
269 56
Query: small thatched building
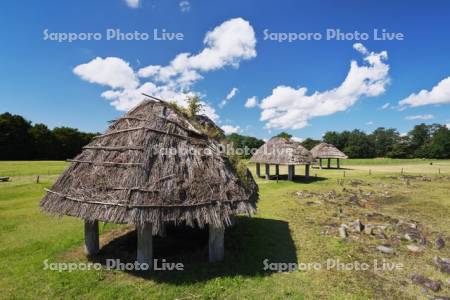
153 165
282 151
327 151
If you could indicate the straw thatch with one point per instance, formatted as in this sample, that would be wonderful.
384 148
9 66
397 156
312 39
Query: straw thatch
324 150
209 126
282 151
152 166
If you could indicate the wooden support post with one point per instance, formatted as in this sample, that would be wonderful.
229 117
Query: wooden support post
258 170
267 174
307 171
320 162
145 244
277 170
291 172
162 230
329 163
91 241
216 243
338 164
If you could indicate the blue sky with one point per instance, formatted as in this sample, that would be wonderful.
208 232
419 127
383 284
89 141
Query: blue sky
61 83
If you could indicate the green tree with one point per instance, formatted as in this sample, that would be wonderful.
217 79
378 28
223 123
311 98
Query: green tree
401 149
419 138
15 141
71 140
310 143
45 144
284 135
359 145
244 142
339 140
194 106
384 140
439 146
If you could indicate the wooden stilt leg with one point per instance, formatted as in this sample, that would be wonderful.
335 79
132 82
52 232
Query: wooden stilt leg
307 171
320 161
91 240
162 231
290 172
267 171
329 163
338 164
216 243
258 170
145 244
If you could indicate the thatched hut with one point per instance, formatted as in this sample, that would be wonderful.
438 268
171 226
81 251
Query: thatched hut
328 151
153 165
282 151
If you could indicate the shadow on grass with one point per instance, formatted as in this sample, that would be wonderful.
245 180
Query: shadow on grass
247 244
332 169
297 178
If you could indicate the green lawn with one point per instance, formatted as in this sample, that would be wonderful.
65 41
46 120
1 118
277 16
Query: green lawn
287 228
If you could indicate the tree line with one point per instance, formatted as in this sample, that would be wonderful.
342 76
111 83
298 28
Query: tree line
423 141
20 140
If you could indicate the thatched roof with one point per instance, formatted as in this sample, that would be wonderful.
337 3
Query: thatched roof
324 150
131 174
282 151
209 126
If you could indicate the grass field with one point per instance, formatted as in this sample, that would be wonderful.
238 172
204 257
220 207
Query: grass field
287 228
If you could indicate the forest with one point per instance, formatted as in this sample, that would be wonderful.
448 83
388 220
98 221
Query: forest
22 140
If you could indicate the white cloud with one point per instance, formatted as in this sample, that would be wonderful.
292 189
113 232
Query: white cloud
185 6
420 117
229 129
230 95
288 107
297 139
226 45
447 125
386 105
110 71
133 3
440 93
369 123
251 102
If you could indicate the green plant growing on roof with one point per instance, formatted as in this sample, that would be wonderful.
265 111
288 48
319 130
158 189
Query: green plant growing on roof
194 106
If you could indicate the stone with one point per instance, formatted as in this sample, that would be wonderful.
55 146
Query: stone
440 243
412 235
368 229
423 241
441 298
443 264
357 226
378 232
415 248
408 237
385 249
434 285
343 231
